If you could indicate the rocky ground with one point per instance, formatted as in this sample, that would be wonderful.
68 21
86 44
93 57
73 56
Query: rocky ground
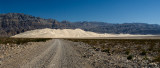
55 53
116 56
59 53
11 55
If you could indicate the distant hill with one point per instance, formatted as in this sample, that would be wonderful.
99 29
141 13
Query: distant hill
15 23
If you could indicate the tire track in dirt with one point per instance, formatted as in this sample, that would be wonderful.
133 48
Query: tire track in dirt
57 53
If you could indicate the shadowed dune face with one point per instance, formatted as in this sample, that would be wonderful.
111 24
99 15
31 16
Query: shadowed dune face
68 33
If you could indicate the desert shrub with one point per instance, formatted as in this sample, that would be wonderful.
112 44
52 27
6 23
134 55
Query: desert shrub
151 47
157 59
145 58
144 52
106 50
97 49
128 51
139 47
94 47
102 46
130 57
158 50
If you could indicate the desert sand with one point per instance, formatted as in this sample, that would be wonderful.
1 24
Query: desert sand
67 33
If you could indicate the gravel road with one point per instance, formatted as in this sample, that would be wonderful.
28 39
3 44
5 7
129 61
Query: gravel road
54 54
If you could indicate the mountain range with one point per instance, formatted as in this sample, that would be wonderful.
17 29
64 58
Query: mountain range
15 23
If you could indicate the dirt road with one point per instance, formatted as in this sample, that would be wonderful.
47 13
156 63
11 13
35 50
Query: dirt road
54 54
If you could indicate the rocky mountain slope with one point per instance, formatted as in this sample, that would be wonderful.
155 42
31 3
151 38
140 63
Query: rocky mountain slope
15 23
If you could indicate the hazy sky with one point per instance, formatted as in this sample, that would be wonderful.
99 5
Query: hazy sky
112 11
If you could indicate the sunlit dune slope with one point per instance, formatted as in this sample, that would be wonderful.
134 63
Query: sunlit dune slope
67 33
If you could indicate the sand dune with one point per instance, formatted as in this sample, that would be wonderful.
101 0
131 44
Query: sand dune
67 33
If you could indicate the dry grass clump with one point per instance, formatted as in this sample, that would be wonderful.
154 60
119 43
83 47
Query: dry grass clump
157 59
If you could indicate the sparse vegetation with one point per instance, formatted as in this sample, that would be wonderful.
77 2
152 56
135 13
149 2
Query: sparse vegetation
130 57
21 40
130 47
106 50
145 58
157 59
151 47
127 51
143 52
